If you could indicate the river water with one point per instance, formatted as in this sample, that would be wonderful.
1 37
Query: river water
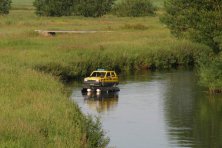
157 110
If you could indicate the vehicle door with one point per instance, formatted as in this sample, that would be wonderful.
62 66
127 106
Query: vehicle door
114 77
108 77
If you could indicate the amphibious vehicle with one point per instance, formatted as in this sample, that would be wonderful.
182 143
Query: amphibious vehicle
101 80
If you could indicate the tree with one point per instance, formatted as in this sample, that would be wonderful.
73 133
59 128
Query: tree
54 7
134 8
87 8
5 5
198 20
94 8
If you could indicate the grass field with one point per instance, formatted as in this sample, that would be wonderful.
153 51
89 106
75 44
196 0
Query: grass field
22 4
35 111
142 42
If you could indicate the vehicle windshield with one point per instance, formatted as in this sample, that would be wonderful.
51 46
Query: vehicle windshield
98 74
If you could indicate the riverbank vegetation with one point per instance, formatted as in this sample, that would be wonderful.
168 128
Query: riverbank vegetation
35 111
200 22
211 74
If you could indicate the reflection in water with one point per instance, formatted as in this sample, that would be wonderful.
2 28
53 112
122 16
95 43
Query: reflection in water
194 118
179 107
158 110
101 102
207 127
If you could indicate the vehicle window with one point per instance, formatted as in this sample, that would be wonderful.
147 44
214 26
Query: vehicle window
98 74
94 74
112 74
102 74
108 74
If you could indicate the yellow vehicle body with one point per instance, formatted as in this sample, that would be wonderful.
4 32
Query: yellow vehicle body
101 78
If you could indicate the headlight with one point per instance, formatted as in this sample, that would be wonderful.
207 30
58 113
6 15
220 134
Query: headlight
97 80
85 80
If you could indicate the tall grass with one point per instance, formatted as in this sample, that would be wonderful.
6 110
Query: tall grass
122 60
36 113
139 43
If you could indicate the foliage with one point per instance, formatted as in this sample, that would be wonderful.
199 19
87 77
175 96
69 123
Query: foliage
210 72
95 135
198 20
87 8
94 8
5 6
54 7
134 8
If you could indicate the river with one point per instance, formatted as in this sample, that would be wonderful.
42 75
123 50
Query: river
157 110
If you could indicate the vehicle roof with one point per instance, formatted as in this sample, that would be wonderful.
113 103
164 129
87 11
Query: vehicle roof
103 71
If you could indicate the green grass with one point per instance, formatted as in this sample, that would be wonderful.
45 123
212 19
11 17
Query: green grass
35 111
142 42
22 2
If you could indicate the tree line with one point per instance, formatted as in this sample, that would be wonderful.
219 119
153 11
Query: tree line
87 8
198 20
93 8
201 22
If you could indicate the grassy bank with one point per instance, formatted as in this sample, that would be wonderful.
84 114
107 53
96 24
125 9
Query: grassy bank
35 111
138 43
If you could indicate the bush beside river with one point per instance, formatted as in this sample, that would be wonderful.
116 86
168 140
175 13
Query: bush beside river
210 71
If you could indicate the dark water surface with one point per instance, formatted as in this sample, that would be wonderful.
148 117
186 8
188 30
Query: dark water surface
157 110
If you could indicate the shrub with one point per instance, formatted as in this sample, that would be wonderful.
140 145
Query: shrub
134 8
211 74
199 21
96 136
94 8
54 7
5 5
87 8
